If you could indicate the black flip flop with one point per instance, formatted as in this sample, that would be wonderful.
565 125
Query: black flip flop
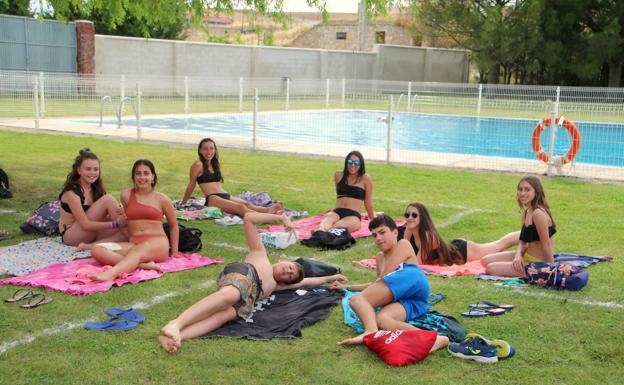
480 312
4 235
36 301
489 305
20 295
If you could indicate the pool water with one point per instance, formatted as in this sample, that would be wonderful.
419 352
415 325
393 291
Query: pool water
602 143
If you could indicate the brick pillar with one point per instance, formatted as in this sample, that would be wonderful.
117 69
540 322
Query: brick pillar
85 47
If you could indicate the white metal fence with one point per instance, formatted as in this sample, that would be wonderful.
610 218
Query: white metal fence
442 124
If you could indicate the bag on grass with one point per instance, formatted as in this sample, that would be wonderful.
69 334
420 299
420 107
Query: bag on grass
190 238
314 268
337 239
559 275
4 185
401 347
45 220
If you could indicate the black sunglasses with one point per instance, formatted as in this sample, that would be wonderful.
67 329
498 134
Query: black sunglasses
354 162
413 214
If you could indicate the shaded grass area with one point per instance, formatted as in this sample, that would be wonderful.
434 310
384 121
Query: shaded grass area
550 330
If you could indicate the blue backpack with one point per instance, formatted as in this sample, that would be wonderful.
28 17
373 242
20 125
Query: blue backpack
45 220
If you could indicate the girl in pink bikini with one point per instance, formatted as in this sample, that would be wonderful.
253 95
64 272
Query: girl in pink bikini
148 245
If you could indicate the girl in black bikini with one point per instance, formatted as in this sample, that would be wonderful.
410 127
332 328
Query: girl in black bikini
353 187
88 214
206 172
431 249
538 227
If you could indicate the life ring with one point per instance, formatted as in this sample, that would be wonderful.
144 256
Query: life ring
572 130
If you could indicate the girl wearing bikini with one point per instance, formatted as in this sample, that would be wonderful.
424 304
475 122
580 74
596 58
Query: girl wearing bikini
538 227
148 245
88 214
431 249
353 187
206 172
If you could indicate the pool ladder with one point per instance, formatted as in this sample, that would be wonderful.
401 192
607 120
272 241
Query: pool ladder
118 111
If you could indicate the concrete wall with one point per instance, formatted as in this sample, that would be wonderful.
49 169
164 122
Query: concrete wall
324 36
139 57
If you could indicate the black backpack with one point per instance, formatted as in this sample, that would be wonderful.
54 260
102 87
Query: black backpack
314 268
336 239
190 238
4 185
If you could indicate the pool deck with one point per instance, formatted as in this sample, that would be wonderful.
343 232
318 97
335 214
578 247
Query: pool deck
77 127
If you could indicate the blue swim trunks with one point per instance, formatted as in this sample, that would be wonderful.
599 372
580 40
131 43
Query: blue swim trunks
409 287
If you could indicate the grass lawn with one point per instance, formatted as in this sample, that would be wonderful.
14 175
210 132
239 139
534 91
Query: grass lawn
560 337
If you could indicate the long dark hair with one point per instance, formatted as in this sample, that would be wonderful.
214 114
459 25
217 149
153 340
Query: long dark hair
214 162
345 170
71 183
539 201
429 236
149 164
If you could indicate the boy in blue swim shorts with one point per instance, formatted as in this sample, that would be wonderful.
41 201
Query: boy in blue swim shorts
401 289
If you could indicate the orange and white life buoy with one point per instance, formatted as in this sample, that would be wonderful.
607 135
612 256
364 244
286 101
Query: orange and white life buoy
572 130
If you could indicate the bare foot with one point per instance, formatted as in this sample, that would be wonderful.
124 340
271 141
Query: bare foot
84 246
277 208
103 276
172 331
168 343
150 266
359 340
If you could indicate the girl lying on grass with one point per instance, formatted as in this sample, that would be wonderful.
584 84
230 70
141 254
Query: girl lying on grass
148 245
431 249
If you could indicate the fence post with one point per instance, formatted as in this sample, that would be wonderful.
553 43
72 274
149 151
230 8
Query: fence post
36 101
255 120
42 110
344 91
186 95
389 134
287 93
409 97
137 108
122 92
240 94
479 100
327 94
553 129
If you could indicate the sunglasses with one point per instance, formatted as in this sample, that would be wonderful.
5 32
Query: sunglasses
354 162
413 214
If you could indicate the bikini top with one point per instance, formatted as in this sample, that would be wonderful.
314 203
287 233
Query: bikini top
346 190
78 191
137 210
207 177
529 233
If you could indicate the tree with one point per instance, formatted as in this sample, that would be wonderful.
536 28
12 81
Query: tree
15 7
492 30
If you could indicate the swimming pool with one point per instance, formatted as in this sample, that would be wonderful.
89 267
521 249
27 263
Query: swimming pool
602 143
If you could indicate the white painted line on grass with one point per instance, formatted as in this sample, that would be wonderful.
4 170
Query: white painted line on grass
6 346
611 305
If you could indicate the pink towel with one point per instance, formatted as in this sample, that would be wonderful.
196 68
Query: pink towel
72 277
469 268
305 227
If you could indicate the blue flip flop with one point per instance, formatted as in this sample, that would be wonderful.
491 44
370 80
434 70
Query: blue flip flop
128 315
112 324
